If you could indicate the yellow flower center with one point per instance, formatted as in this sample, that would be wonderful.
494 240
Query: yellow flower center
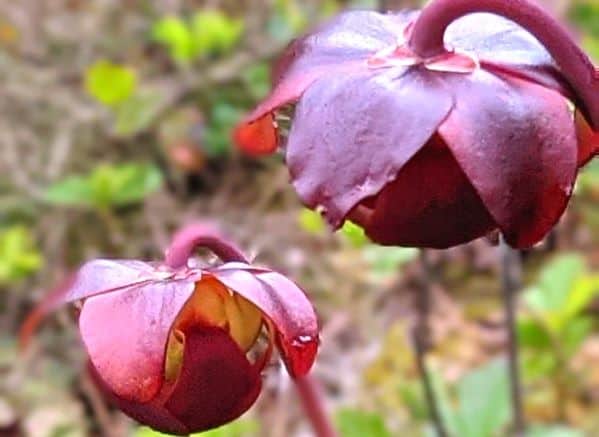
212 304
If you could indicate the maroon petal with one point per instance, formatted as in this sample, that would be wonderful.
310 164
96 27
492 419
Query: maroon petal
286 305
217 383
352 135
340 47
151 413
430 204
516 143
126 332
102 276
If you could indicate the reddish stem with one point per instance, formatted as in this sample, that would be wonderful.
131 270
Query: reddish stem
198 235
310 393
428 31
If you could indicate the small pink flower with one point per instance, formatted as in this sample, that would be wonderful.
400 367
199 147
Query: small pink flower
169 342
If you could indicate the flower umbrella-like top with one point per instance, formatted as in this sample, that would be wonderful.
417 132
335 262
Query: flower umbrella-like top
435 146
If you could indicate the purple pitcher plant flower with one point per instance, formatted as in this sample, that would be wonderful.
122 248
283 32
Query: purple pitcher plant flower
174 344
436 127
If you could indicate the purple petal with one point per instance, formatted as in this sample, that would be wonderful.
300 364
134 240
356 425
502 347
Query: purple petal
126 332
286 305
517 144
341 46
352 135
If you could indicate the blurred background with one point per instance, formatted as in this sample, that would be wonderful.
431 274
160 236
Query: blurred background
115 125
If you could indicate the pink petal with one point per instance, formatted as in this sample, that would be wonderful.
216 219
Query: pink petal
102 276
125 334
516 143
286 305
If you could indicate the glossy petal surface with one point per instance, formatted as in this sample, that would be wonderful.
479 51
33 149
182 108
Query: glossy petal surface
339 47
430 204
351 135
217 383
126 332
516 143
102 276
285 304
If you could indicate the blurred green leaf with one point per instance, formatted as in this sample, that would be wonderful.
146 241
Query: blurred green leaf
387 260
110 83
214 32
174 33
554 431
356 423
585 14
574 333
18 256
137 112
532 334
311 222
238 428
218 131
484 406
354 234
107 186
257 80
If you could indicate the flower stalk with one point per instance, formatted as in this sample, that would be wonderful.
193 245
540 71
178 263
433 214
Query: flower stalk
427 41
510 281
421 336
310 393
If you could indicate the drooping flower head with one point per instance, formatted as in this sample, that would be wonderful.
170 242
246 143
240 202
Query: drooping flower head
433 128
175 344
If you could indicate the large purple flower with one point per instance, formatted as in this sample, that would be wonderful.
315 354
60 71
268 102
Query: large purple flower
434 128
176 346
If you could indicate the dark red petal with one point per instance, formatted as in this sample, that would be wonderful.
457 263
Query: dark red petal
257 138
286 305
351 135
125 334
340 47
430 204
102 276
588 140
152 413
217 383
516 143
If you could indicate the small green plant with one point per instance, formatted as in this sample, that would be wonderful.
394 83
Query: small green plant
356 423
106 186
207 33
109 83
18 256
554 325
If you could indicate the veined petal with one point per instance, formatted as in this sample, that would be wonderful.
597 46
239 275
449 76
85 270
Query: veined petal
103 276
352 135
288 308
516 142
126 332
340 47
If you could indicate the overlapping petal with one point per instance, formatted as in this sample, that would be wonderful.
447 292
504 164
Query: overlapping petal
517 144
285 304
430 204
351 135
125 333
588 140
